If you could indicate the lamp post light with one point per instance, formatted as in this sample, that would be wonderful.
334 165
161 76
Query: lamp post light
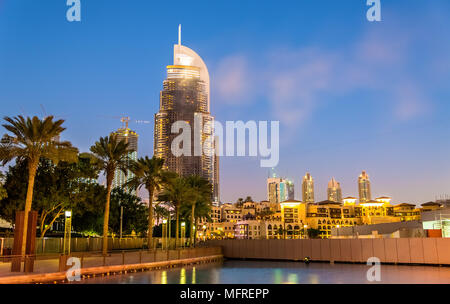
204 232
337 230
67 231
183 233
305 231
121 221
164 234
169 228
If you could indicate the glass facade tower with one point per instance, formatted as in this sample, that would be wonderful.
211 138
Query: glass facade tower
364 187
185 97
308 189
131 137
334 191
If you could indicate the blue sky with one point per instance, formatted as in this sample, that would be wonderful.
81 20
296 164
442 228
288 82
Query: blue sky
350 94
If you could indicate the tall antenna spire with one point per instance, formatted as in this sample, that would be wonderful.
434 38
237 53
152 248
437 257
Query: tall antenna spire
179 34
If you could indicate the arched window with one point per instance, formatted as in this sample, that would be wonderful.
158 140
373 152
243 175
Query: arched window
269 227
289 227
319 222
275 227
296 227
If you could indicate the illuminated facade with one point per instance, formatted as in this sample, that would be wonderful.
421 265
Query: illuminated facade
364 188
326 215
407 212
293 217
334 191
308 189
185 98
377 211
296 219
131 137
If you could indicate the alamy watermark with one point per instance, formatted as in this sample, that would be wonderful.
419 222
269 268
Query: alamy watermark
374 11
211 137
74 11
374 272
74 272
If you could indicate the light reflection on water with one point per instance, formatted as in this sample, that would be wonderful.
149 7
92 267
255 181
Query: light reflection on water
260 272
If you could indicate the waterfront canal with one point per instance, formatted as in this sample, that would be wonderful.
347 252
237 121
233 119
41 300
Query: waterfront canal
261 272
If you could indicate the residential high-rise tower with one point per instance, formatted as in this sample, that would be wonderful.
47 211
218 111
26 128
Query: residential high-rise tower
131 137
334 191
308 189
364 188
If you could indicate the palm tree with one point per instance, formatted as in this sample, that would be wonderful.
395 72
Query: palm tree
160 212
3 192
149 173
202 190
109 154
239 202
33 138
177 192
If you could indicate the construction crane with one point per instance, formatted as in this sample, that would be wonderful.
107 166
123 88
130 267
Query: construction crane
125 120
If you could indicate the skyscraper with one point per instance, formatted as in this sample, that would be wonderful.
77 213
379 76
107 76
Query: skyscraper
131 137
185 98
308 189
290 189
334 191
279 189
364 188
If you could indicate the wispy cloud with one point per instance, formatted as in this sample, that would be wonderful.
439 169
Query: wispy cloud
295 81
232 80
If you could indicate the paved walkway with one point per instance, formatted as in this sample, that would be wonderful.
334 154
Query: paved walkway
40 266
50 264
105 270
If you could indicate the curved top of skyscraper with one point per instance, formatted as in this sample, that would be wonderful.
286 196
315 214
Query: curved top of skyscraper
185 57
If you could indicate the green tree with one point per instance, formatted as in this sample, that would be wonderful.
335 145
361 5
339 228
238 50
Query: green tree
201 189
87 217
265 214
31 139
160 212
313 233
109 154
149 173
3 193
58 187
177 192
239 202
248 199
135 213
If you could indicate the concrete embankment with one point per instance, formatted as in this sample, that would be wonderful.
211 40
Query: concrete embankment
417 251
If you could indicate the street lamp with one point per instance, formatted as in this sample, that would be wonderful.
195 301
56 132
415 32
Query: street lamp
204 232
183 232
304 231
67 231
121 221
164 234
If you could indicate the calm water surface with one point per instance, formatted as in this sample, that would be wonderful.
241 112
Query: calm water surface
260 272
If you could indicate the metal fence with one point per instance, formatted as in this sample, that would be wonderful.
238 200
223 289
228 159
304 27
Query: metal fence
55 245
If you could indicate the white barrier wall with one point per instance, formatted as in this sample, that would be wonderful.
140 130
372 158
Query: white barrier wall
401 250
